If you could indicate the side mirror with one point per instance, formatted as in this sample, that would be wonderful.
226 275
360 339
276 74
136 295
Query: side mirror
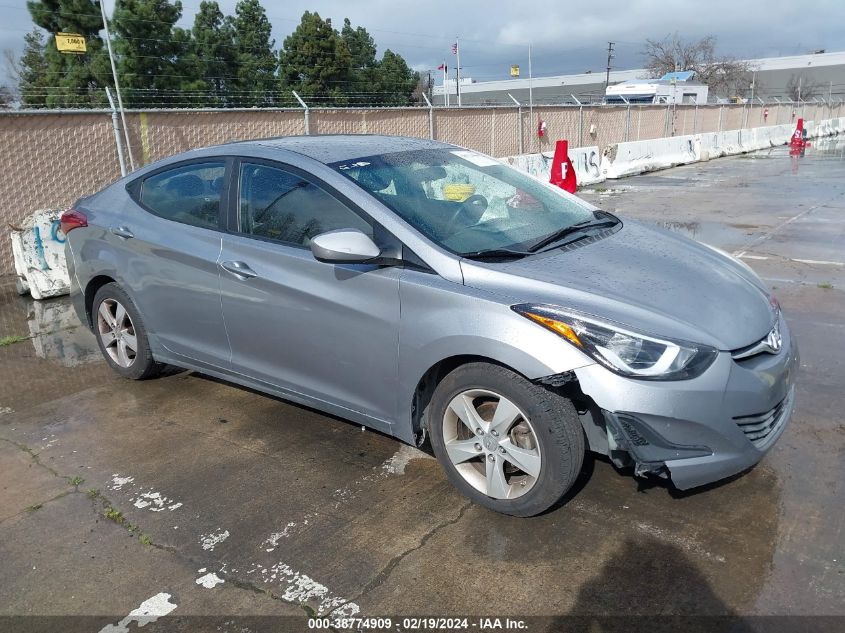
344 246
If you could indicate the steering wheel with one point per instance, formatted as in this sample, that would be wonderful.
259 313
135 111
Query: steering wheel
476 203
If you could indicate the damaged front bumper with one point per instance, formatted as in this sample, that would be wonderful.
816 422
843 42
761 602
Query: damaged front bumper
694 431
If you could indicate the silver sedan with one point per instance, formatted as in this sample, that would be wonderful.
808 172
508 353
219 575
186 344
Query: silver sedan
429 291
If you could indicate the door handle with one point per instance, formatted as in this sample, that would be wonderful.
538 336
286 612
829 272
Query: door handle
239 270
122 231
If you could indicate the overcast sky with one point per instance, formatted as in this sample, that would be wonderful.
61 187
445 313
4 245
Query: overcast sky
567 37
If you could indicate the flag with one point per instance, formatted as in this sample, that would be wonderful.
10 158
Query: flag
442 67
455 48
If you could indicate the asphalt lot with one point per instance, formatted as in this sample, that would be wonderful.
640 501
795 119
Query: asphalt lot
238 504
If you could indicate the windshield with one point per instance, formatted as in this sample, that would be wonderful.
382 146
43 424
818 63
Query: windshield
464 201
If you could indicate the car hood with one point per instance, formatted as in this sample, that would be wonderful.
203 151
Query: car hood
644 277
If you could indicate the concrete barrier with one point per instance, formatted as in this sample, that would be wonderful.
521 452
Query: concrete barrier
586 160
637 157
619 160
39 253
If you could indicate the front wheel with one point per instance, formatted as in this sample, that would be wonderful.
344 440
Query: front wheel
506 443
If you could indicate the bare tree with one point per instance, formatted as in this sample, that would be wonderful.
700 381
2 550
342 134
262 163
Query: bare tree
724 75
7 97
803 87
8 93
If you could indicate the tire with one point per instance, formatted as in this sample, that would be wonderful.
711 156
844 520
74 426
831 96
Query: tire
117 327
513 472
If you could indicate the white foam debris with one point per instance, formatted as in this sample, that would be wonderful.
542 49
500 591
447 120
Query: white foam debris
117 482
50 439
210 581
151 500
272 542
396 464
155 501
213 539
149 611
6 410
301 588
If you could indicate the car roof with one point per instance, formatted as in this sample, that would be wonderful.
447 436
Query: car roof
331 148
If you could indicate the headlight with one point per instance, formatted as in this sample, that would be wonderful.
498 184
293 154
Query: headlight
623 351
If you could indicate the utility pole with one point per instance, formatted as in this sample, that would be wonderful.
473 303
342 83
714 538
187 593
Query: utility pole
530 92
458 70
457 86
610 56
117 86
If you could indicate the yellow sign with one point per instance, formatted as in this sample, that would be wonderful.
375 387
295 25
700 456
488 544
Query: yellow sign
514 71
70 43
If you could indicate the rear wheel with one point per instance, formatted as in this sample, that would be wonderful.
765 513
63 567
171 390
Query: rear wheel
121 334
508 444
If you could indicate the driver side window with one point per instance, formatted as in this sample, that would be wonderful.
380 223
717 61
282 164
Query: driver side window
280 205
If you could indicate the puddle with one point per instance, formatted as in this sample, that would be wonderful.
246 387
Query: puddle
57 334
827 147
714 233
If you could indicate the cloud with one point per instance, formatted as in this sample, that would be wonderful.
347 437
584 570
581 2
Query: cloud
566 36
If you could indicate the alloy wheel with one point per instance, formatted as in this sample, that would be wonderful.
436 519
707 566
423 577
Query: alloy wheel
491 444
117 333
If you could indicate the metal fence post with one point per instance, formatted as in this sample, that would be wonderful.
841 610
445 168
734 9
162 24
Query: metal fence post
721 107
580 120
695 119
116 127
580 126
307 113
519 122
430 117
628 123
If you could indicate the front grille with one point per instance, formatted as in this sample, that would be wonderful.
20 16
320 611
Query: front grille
760 427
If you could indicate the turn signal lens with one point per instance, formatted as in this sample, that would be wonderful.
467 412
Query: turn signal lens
555 326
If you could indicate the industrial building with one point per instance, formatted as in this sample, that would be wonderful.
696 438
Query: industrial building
821 75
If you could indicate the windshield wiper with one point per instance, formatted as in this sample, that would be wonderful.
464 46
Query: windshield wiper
581 227
495 253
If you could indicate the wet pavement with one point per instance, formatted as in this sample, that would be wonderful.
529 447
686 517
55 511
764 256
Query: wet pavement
117 495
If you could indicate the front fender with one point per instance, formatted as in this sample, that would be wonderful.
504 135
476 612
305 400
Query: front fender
441 320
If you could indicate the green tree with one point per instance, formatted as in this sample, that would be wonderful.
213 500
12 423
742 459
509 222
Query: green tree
315 62
73 80
362 51
395 81
149 48
30 71
210 62
254 61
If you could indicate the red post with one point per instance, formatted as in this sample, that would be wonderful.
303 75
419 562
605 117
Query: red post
562 172
798 135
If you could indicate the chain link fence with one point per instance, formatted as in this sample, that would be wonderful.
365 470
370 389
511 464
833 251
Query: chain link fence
51 158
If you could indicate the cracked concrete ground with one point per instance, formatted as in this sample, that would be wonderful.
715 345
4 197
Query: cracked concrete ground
115 493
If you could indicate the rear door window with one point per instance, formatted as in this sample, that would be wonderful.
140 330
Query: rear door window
189 194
